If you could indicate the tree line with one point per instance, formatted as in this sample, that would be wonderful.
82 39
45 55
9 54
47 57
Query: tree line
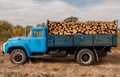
8 30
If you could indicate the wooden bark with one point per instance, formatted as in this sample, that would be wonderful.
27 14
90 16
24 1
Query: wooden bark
89 27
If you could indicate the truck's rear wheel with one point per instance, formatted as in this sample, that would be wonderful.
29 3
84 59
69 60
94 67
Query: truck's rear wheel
85 57
18 56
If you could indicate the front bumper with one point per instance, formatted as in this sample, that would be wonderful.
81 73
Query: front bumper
5 48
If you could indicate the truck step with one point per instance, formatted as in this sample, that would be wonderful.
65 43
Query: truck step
39 56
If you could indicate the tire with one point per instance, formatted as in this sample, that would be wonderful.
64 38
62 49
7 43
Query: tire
85 57
18 56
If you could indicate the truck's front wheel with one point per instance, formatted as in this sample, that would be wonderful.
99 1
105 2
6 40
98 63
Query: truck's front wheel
18 56
85 57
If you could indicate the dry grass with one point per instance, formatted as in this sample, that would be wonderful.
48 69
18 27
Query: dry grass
1 46
46 67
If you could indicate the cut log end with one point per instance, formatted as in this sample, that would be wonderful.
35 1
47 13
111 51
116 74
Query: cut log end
89 27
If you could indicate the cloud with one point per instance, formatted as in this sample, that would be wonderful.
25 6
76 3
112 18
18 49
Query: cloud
32 12
108 10
83 3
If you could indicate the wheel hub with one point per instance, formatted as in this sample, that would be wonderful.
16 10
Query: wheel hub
85 57
18 57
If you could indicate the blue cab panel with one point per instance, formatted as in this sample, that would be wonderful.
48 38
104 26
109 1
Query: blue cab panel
37 44
38 41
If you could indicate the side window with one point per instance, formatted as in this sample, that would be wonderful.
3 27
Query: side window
38 33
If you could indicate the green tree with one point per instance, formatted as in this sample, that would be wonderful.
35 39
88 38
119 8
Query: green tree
5 30
41 25
18 30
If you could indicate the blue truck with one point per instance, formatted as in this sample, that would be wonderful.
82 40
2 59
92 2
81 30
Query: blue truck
86 48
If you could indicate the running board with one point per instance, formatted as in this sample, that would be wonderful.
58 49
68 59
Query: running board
39 56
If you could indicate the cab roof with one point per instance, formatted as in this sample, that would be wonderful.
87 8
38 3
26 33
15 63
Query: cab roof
38 28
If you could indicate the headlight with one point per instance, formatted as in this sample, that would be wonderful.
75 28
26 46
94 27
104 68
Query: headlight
5 47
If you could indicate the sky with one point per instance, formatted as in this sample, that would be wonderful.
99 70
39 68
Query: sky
32 12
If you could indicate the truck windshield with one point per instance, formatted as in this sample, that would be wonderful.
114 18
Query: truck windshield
30 33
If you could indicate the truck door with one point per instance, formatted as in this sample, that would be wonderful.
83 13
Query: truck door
38 41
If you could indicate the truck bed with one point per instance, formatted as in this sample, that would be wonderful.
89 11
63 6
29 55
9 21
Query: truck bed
82 40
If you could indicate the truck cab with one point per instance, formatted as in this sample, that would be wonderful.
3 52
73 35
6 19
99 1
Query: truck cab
20 48
38 40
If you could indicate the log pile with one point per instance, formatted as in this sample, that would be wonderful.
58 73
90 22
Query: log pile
88 27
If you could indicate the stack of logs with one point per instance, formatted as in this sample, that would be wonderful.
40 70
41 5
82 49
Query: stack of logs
88 27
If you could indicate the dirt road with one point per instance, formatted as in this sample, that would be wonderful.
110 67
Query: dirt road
107 67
